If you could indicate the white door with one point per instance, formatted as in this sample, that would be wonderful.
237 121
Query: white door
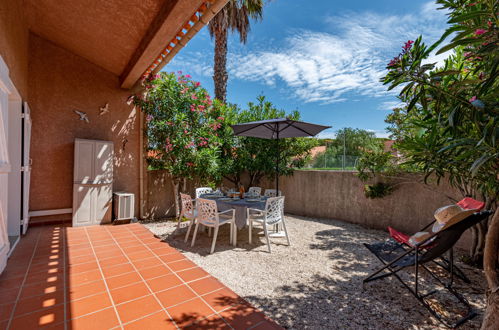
4 178
26 166
84 161
83 202
103 166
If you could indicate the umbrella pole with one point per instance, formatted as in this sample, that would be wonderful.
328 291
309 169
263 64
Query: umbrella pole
277 166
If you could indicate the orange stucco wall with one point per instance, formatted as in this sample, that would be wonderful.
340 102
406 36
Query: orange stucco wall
14 43
59 83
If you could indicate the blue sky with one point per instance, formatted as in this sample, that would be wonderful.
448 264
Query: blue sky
322 57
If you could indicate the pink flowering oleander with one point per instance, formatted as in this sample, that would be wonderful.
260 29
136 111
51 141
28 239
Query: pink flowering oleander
480 32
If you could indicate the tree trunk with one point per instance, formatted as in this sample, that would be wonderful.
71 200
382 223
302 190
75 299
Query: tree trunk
490 266
176 186
220 75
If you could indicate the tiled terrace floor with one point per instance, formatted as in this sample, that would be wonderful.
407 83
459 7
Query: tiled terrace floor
105 277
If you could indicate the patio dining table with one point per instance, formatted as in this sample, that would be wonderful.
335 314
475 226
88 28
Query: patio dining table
240 205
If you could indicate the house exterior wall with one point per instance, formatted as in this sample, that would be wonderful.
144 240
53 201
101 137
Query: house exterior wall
14 43
59 83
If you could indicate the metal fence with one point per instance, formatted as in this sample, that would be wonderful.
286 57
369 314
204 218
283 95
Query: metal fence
338 163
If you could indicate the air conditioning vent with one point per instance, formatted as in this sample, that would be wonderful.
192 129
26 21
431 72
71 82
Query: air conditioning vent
123 206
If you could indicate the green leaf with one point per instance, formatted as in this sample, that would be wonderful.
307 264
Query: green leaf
468 16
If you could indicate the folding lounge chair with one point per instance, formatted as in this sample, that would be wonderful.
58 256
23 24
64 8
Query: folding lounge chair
395 258
466 203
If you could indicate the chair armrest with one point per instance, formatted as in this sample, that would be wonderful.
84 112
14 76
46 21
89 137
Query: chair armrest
262 212
226 211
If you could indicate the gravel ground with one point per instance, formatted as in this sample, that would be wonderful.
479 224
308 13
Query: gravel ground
316 283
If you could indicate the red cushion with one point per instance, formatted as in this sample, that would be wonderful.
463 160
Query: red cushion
469 203
398 236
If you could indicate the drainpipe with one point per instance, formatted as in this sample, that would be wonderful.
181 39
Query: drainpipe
141 165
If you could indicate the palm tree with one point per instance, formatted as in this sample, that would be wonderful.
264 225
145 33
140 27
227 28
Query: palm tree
236 17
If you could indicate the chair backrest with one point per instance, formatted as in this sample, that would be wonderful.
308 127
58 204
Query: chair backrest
271 193
274 209
207 211
202 191
446 238
187 206
254 191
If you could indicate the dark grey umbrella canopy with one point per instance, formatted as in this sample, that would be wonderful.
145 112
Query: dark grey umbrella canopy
278 129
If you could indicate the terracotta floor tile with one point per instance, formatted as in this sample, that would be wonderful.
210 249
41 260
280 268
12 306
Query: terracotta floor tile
140 255
47 265
135 309
181 265
74 260
81 268
10 283
41 288
80 307
46 317
44 277
155 271
130 292
164 250
242 316
222 299
104 319
146 263
104 254
175 296
118 270
80 252
83 278
206 285
171 257
35 303
85 290
8 295
213 322
192 274
123 280
15 270
105 244
189 312
163 282
158 320
110 262
6 310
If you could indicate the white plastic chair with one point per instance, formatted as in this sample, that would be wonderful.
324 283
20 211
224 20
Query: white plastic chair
254 192
209 216
202 191
187 211
271 193
272 215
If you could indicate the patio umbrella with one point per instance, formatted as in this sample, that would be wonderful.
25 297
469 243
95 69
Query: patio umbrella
275 129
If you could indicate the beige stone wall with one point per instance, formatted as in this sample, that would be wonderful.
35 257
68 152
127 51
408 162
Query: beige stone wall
338 195
59 83
14 42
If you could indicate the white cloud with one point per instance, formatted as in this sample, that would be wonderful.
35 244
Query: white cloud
390 105
195 61
346 60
